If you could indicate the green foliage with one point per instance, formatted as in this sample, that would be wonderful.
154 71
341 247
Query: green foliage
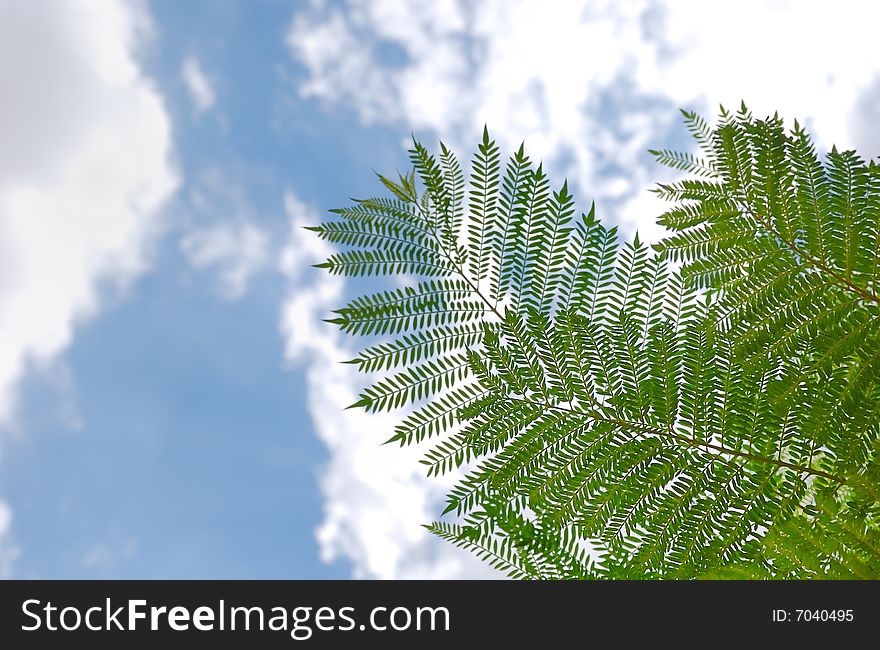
789 247
836 537
708 407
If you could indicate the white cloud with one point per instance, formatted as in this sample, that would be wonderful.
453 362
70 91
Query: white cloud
375 497
591 85
8 551
84 169
103 558
237 250
201 91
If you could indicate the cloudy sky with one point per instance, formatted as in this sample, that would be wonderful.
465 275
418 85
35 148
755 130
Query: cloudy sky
170 401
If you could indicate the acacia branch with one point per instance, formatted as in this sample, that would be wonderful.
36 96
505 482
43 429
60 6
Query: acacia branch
690 442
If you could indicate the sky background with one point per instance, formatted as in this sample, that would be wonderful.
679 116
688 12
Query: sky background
170 401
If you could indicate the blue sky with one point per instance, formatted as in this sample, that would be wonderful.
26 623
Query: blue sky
170 405
194 458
